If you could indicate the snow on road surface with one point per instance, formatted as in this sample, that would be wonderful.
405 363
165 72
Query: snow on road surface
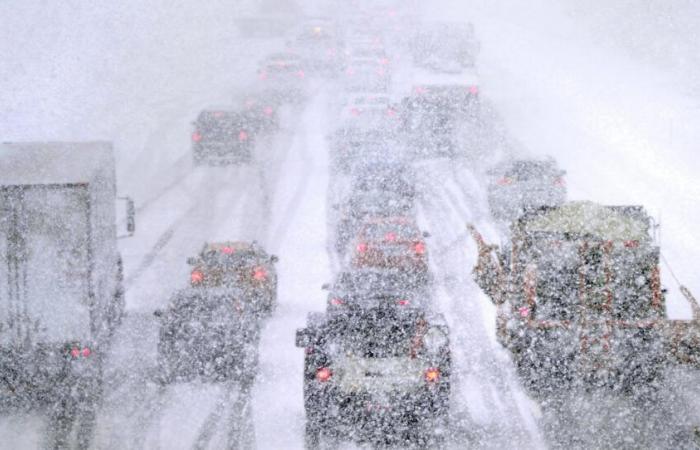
623 130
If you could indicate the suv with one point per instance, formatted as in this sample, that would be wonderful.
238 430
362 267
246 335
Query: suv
380 376
523 185
241 265
222 137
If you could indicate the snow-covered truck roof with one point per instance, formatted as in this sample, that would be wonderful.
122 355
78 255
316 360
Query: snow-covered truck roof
583 218
34 163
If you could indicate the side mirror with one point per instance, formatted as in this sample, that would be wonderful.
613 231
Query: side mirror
426 234
130 216
158 313
303 337
326 286
274 258
192 260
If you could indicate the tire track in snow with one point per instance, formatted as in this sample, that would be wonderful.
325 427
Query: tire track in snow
500 393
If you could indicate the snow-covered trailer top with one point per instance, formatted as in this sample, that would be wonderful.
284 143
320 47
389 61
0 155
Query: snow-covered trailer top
585 219
58 256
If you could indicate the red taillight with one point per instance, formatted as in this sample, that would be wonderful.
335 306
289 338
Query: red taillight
197 276
384 61
76 352
559 181
473 90
300 74
390 237
259 273
419 248
323 374
524 311
196 136
337 301
227 250
355 112
361 247
631 244
242 136
268 111
432 375
505 181
391 112
403 302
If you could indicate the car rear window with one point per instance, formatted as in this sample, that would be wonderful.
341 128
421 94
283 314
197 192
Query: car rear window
375 334
530 170
390 231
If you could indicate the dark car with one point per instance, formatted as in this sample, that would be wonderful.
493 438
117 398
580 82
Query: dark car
223 137
366 289
241 265
380 376
261 110
519 186
433 115
284 76
362 139
394 243
362 204
209 335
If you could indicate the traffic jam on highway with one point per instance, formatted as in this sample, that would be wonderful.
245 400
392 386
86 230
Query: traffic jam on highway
355 253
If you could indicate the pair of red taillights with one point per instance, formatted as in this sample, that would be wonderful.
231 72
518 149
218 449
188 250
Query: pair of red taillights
77 352
418 247
431 375
259 274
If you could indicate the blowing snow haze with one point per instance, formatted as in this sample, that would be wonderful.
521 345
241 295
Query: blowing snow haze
354 224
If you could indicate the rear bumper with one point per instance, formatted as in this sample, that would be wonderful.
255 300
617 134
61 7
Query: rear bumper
222 153
396 417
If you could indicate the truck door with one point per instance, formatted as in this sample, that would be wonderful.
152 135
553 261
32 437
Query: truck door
45 274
